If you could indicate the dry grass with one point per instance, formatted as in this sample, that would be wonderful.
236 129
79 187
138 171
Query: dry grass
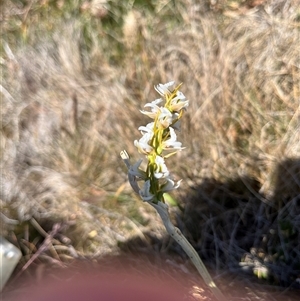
70 99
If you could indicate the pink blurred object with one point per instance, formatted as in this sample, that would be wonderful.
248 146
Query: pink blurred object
118 286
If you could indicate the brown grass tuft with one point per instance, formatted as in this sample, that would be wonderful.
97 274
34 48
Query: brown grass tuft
71 91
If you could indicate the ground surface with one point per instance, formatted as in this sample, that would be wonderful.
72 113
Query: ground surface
170 273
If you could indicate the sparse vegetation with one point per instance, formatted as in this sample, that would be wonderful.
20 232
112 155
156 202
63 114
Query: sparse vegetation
68 71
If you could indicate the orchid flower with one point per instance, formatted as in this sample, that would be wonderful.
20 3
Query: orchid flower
157 138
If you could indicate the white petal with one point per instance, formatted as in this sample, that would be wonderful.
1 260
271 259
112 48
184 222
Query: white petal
170 185
165 117
163 89
157 101
171 143
147 129
143 144
153 112
161 168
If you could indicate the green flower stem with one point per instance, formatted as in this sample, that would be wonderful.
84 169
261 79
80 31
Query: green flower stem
177 235
158 136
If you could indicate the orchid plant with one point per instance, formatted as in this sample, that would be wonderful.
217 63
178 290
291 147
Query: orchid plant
158 143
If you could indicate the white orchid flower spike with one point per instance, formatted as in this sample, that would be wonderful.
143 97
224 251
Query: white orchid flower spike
159 142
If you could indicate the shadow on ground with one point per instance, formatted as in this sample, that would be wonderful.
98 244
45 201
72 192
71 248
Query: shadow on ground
238 226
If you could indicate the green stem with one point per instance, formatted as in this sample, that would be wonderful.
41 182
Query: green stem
176 234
